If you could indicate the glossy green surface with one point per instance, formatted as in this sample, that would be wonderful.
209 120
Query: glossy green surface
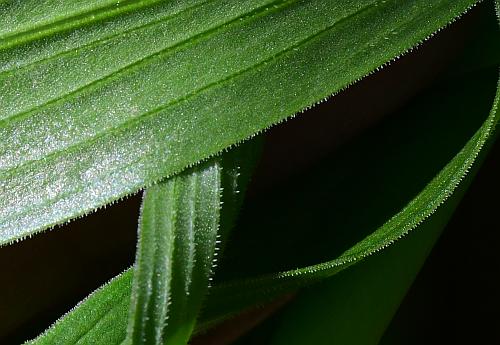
98 101
162 85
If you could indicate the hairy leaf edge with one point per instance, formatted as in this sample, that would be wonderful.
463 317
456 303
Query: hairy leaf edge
290 279
125 196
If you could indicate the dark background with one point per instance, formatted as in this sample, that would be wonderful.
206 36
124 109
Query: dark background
454 299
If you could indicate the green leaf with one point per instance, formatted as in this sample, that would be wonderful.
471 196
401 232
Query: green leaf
177 243
231 296
356 306
101 318
99 99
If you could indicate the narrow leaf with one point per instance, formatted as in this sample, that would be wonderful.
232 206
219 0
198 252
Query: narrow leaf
98 101
240 293
177 242
229 298
356 306
99 319
102 317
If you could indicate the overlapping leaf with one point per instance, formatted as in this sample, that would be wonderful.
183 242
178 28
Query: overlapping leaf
229 298
99 99
114 126
236 295
177 243
179 239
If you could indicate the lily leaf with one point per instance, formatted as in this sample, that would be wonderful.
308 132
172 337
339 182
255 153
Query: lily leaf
238 294
99 319
164 293
99 99
228 298
178 230
356 306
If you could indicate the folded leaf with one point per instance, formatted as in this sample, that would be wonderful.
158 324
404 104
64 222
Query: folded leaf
98 101
99 319
177 243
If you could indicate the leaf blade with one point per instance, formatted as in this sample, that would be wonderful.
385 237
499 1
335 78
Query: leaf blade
357 305
230 294
99 319
226 299
177 242
83 148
